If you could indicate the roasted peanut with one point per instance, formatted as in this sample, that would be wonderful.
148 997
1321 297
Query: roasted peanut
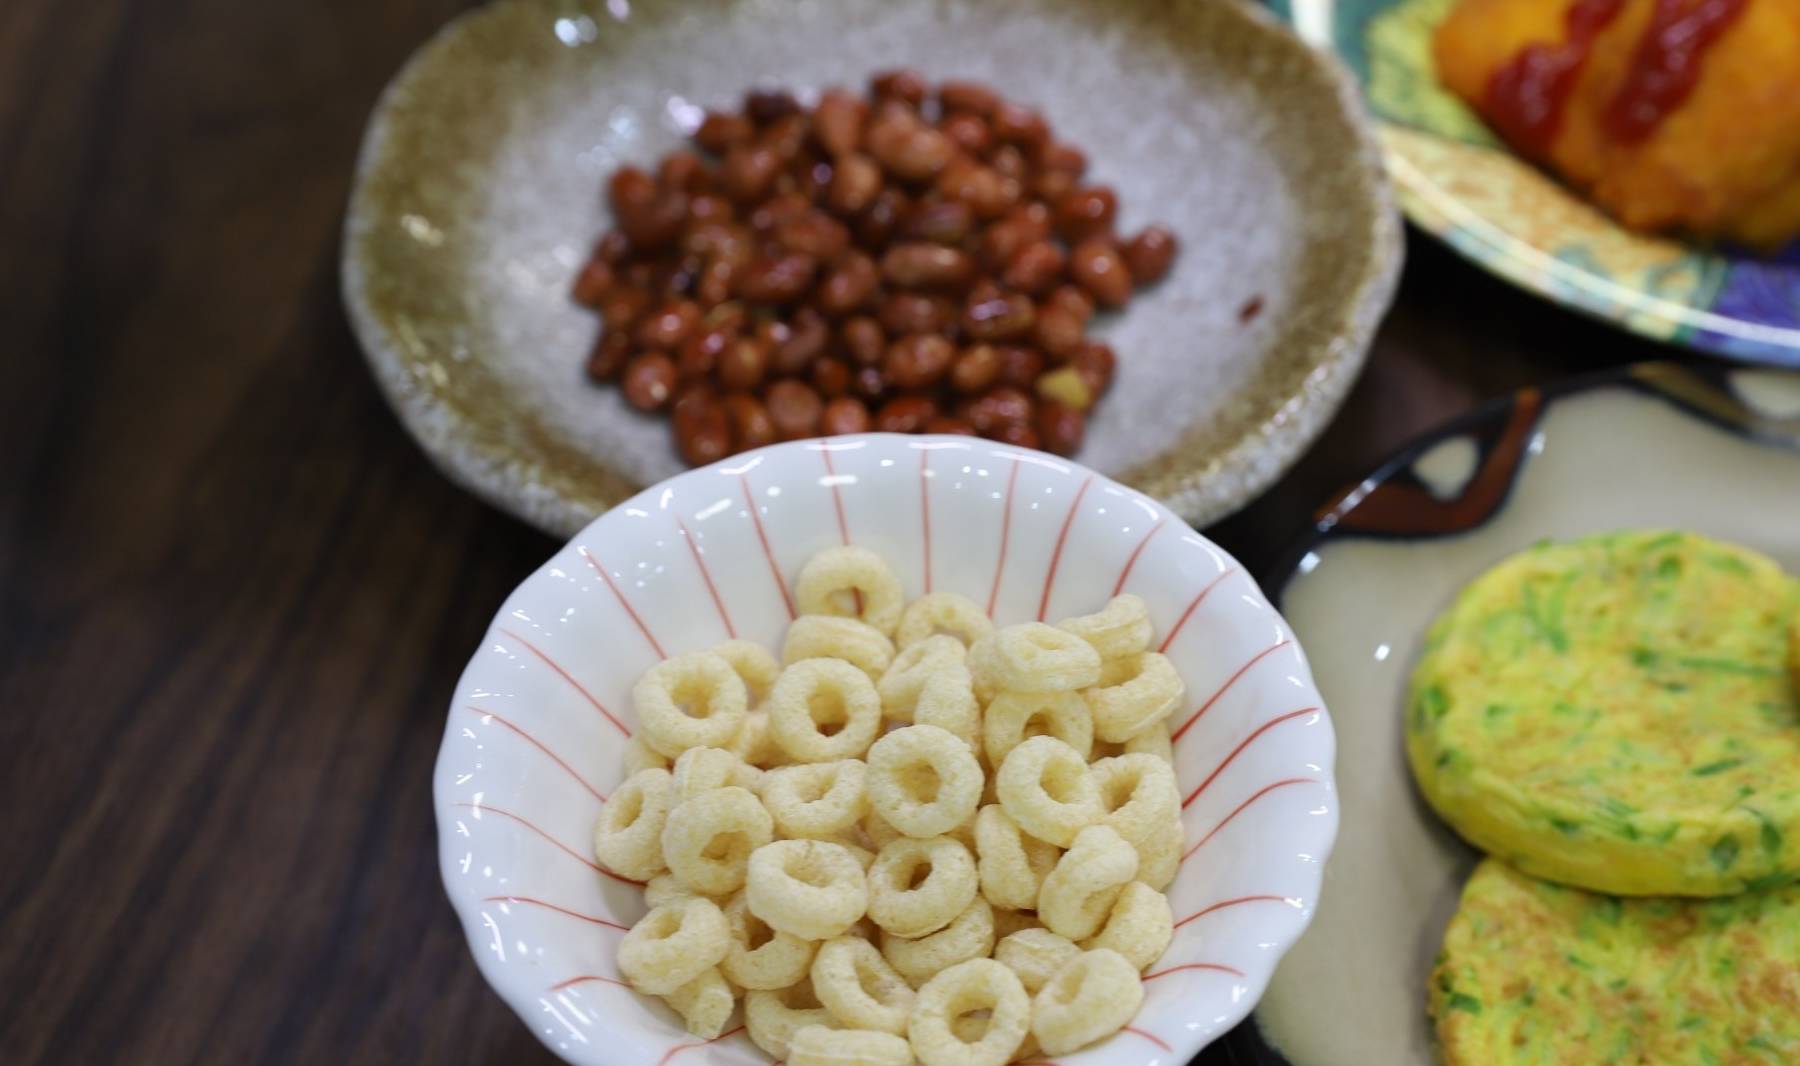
1098 267
1149 254
918 360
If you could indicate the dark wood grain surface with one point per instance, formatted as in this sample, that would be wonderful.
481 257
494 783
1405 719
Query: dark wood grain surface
234 597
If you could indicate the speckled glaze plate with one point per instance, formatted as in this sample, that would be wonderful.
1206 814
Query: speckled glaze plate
1713 450
478 194
1456 180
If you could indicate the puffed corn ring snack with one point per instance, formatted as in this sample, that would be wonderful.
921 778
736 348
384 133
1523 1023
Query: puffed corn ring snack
923 781
761 956
691 701
705 1004
816 1045
1092 996
859 987
911 669
755 744
970 936
822 710
707 840
664 888
1035 955
773 1016
1138 793
1013 717
673 944
704 769
1148 693
979 984
823 636
948 702
1034 657
1160 856
919 886
1152 741
640 756
817 801
1139 927
628 837
749 828
1120 628
1087 881
1044 786
1011 865
809 888
753 663
943 613
830 581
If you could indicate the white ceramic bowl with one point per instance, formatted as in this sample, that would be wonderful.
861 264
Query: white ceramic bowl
543 709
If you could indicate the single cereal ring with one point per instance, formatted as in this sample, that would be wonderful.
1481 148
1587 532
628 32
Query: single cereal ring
942 613
755 744
923 781
628 836
817 801
1146 691
970 936
1139 927
1091 997
1160 856
858 986
1045 787
817 1045
1035 955
906 675
1120 628
664 888
975 985
639 757
1006 922
830 581
753 663
822 636
1152 741
1034 657
1012 865
822 710
673 944
1087 881
948 701
691 701
705 769
705 1004
1138 794
1016 716
707 840
761 956
907 904
809 888
773 1016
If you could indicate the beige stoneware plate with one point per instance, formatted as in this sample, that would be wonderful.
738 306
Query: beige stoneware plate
478 194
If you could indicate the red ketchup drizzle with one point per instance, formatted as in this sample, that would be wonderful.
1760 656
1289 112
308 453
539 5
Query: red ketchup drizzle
1666 65
1526 97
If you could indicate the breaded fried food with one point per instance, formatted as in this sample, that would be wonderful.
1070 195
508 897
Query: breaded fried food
1594 89
1618 713
1532 972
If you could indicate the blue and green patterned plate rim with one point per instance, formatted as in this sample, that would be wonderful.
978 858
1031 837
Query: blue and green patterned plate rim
1457 181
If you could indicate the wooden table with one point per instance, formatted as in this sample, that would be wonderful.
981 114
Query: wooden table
235 595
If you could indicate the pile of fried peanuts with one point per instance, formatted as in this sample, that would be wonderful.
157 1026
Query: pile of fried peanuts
930 840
